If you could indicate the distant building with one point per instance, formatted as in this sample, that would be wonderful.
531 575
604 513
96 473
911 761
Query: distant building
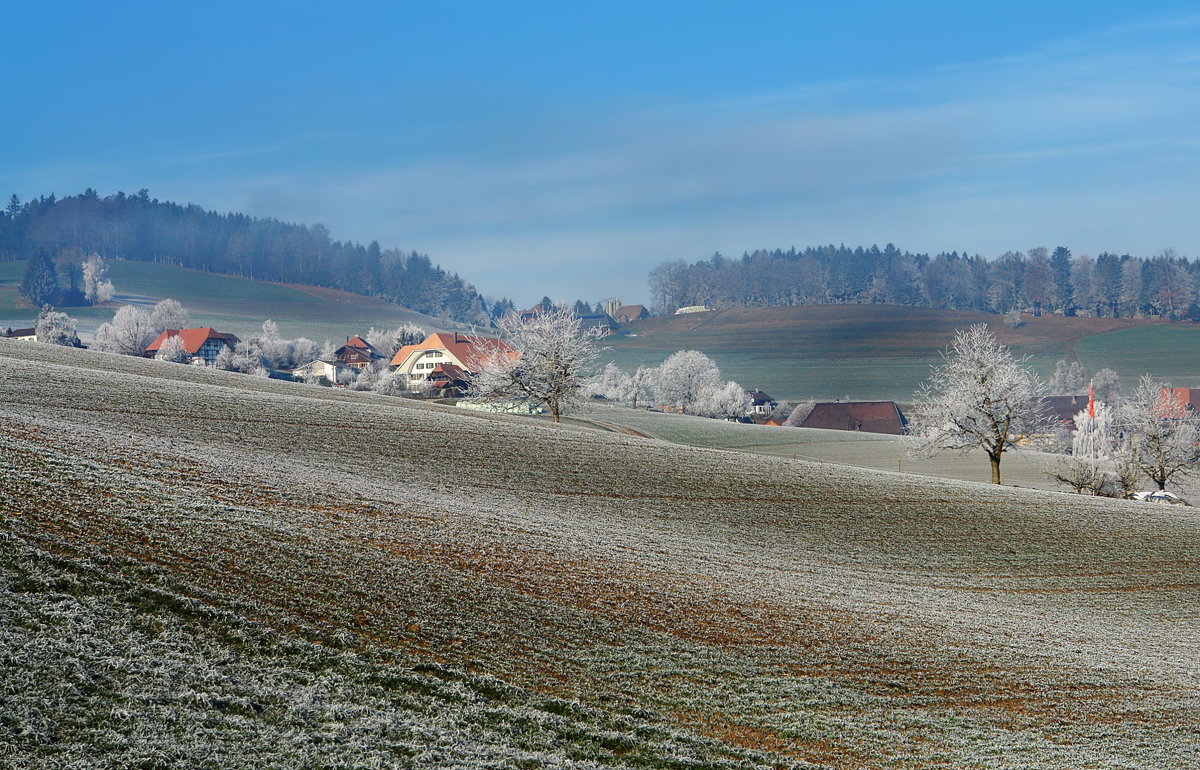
418 361
29 334
865 416
597 321
692 309
357 353
330 369
1062 409
202 344
761 403
626 314
1185 399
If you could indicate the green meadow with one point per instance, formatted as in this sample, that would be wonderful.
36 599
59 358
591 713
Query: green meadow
231 304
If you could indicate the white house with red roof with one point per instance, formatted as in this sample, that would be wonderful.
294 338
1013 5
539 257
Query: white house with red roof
419 361
202 344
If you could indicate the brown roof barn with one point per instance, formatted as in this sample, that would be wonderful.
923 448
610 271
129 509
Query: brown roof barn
866 416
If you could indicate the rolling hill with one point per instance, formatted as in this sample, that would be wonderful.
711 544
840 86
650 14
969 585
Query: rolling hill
885 351
237 305
214 570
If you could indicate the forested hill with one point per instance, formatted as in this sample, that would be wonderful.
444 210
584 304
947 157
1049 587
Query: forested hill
139 227
1038 280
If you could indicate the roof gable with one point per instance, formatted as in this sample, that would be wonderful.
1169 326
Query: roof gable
458 345
193 339
866 416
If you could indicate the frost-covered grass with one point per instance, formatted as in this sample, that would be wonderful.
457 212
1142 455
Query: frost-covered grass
786 611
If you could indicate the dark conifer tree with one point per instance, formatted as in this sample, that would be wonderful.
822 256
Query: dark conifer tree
40 284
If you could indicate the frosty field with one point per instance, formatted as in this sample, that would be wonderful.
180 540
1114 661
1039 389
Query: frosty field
206 569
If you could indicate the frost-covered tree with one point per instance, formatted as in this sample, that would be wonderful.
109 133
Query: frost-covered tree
612 384
799 413
96 287
56 328
640 383
128 333
554 357
1163 435
980 396
245 357
388 341
684 378
1106 384
1091 451
172 350
1069 379
170 314
728 400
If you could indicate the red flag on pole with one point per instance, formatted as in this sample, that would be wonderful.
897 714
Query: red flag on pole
1091 402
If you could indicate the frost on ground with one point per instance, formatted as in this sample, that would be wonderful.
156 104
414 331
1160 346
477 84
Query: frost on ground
402 565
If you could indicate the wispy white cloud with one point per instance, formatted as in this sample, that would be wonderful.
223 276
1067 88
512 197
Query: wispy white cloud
1087 142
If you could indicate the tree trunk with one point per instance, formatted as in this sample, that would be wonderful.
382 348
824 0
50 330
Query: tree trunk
995 460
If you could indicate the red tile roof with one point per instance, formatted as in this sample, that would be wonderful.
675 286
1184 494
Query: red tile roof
459 346
193 339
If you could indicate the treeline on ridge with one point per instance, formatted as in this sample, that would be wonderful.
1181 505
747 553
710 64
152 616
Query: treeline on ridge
1037 281
138 227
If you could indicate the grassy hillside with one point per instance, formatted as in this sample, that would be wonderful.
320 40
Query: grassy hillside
864 351
230 304
260 569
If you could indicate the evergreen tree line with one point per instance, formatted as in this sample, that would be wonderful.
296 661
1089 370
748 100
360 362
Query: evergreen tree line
1038 281
138 227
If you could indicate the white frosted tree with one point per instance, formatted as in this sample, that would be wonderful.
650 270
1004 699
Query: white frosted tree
1106 384
554 357
56 328
1092 450
684 378
1162 435
128 333
612 384
640 383
96 287
388 341
1069 379
172 350
979 397
728 400
169 314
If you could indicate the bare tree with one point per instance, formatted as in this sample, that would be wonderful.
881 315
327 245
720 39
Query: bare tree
552 357
981 396
1163 436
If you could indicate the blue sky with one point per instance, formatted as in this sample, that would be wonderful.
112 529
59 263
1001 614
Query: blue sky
567 148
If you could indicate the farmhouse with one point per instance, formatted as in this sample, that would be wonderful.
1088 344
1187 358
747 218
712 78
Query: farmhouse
418 361
629 313
20 334
865 416
357 353
1062 409
202 344
1185 399
330 369
761 403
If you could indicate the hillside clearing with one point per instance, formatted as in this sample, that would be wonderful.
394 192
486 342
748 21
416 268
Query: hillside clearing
747 608
236 305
